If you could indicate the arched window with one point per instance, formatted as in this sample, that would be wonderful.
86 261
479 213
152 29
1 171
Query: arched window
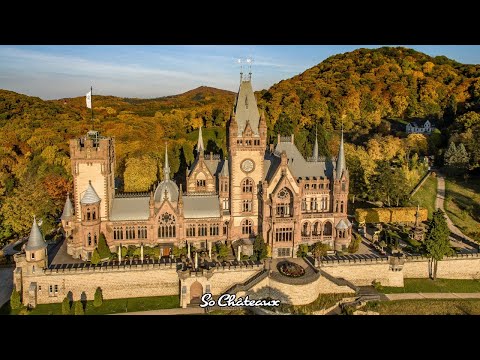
306 229
89 239
316 228
166 226
327 228
247 227
247 185
341 207
284 203
88 214
94 215
225 229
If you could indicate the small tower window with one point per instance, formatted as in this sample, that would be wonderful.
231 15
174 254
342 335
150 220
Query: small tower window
94 215
33 255
89 239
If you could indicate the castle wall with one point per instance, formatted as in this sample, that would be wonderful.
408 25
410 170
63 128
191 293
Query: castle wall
116 283
451 268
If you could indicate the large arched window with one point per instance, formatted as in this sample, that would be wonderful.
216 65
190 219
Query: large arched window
166 226
316 228
284 203
327 229
247 185
247 226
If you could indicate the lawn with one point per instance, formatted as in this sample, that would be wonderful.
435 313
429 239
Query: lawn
112 306
230 312
426 195
435 286
323 301
426 307
462 205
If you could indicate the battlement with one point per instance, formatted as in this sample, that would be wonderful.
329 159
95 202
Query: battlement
91 146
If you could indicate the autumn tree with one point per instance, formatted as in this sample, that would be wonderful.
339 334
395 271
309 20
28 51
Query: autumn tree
437 241
140 173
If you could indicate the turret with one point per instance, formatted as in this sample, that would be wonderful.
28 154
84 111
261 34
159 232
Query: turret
67 217
90 207
36 250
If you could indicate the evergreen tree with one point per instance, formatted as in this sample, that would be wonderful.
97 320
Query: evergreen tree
103 249
15 300
259 248
95 257
437 241
449 156
79 308
98 298
66 306
462 157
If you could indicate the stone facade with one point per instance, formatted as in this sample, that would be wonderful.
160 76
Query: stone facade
275 193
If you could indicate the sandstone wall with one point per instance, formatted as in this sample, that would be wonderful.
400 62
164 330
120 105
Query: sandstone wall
115 283
451 268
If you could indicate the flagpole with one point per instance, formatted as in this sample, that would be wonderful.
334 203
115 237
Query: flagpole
91 102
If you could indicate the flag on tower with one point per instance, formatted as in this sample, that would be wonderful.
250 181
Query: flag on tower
89 99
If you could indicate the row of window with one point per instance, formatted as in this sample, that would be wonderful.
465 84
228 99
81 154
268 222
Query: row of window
141 233
89 239
90 215
314 204
283 234
224 186
314 186
283 252
201 230
248 142
247 206
316 230
201 183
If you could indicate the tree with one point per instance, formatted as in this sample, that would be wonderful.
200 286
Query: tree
95 257
259 248
222 250
79 308
354 244
140 173
302 250
437 242
103 249
98 298
66 306
15 300
319 249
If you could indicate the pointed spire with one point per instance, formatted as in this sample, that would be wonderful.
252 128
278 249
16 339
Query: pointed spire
315 147
180 195
341 165
35 240
166 168
67 209
200 147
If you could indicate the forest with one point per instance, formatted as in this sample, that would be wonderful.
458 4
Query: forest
373 94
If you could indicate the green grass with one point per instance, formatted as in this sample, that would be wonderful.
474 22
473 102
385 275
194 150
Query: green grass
426 307
462 205
230 312
426 195
435 286
323 301
112 306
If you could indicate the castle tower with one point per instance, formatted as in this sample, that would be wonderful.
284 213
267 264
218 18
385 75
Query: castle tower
93 160
90 208
36 250
247 143
67 217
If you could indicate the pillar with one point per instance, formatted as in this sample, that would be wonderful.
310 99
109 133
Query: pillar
188 250
120 252
209 244
141 251
239 249
196 260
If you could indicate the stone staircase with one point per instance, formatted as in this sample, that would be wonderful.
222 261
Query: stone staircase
247 285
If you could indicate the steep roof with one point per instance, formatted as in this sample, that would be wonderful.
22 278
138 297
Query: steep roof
246 108
341 164
67 209
343 224
201 206
90 196
299 166
35 240
134 208
225 170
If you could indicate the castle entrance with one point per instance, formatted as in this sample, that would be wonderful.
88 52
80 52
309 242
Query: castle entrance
196 292
166 251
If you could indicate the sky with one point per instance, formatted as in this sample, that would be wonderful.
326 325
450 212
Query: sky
147 71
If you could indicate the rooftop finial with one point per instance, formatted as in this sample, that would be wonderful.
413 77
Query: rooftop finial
166 168
239 61
249 62
341 165
315 147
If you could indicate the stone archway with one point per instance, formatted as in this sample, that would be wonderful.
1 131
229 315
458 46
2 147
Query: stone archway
196 292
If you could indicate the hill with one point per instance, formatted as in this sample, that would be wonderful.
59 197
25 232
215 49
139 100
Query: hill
367 90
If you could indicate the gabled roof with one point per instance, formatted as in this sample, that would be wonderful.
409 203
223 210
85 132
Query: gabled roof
90 196
201 206
35 240
134 208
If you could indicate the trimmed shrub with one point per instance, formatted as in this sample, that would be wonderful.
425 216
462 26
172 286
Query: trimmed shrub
98 298
66 306
102 247
95 257
79 308
15 300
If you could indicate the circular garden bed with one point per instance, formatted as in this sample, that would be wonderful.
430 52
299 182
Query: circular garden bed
290 269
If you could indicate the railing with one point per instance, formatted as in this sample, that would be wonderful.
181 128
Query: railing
310 215
133 194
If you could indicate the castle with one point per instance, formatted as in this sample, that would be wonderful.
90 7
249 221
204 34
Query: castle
271 192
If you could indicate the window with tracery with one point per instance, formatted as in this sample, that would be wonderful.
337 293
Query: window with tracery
166 226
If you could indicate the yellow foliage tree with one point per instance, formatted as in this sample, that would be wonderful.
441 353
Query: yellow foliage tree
390 215
140 173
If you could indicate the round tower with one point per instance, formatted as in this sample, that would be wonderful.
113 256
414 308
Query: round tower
90 218
36 250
